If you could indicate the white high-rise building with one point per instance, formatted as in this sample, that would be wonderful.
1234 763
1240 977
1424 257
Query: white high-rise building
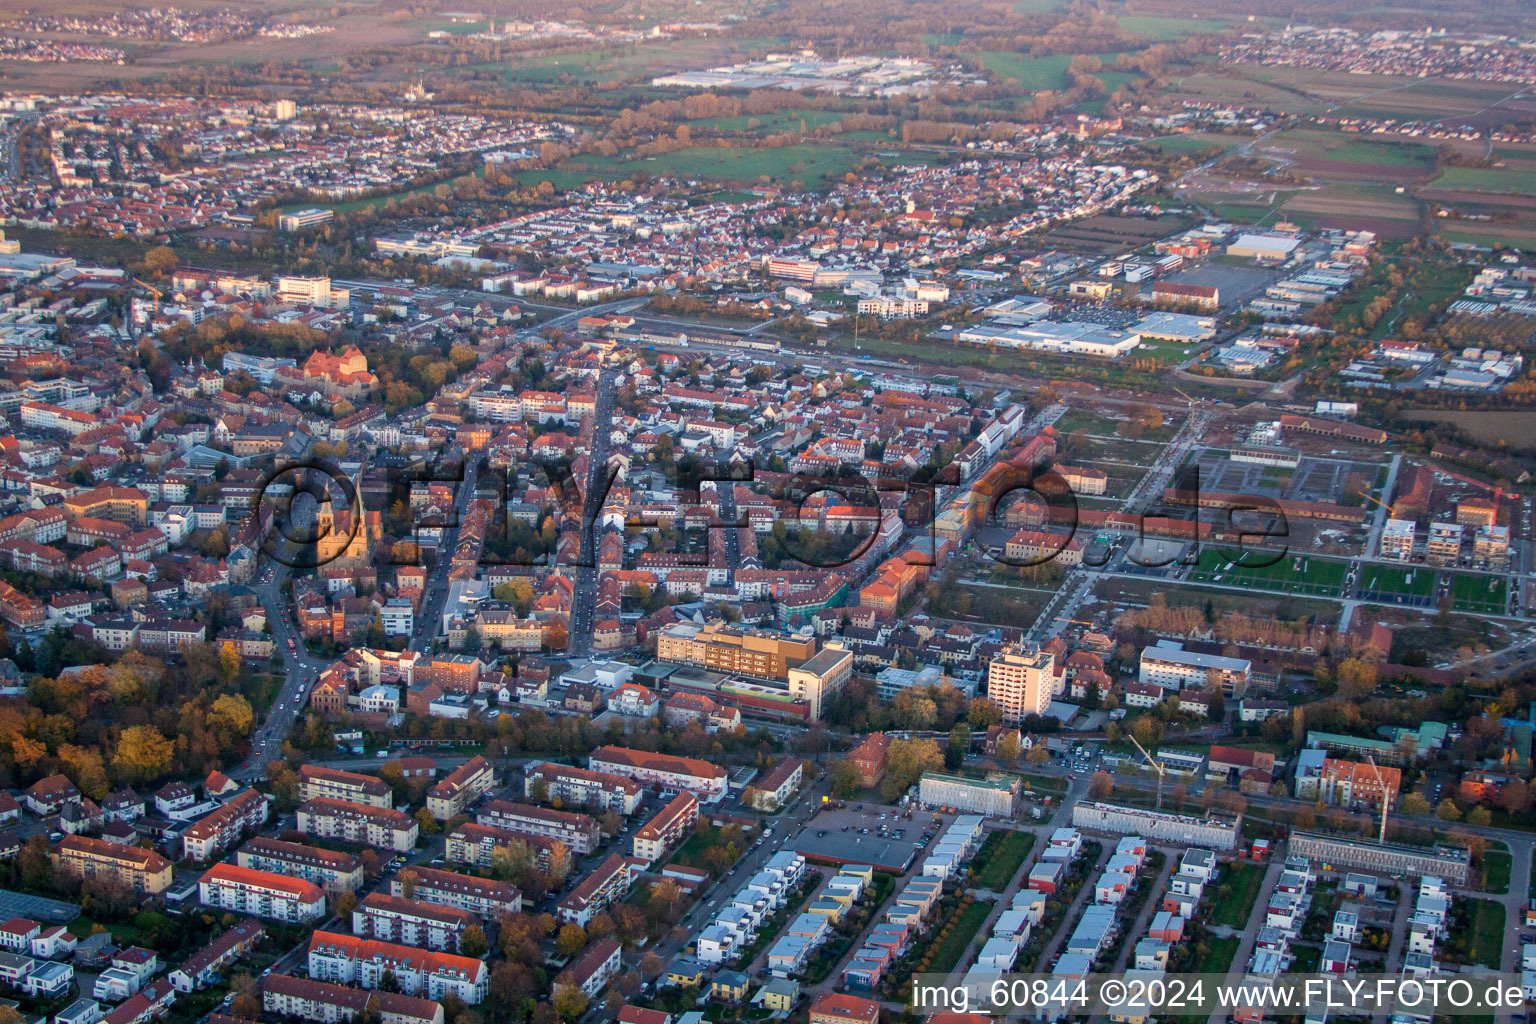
1021 681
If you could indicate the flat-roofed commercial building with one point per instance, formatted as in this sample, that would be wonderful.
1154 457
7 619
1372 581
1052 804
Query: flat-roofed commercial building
733 649
1451 863
1215 831
996 795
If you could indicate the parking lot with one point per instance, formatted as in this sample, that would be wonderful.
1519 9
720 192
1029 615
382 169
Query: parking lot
868 834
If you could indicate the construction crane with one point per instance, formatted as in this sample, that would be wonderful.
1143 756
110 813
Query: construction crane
1155 767
1382 787
151 288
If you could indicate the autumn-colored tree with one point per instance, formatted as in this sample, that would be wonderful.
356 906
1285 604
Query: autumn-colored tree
569 1002
845 775
982 713
473 943
142 754
1447 810
246 1001
1101 785
570 940
1038 754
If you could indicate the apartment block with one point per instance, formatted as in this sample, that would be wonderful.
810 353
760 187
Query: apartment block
673 774
351 960
82 857
577 831
1168 665
582 787
316 781
358 823
411 922
672 825
219 830
1021 681
482 896
261 894
333 871
460 788
307 999
606 884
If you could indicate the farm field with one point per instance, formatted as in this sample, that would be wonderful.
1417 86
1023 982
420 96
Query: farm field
1515 428
1487 179
810 163
1163 29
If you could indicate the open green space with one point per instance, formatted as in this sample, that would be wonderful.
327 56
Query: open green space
1497 865
1487 179
1386 579
1342 148
1292 574
1219 955
1164 29
1237 890
1486 594
955 936
1032 73
1485 921
1192 142
1396 154
805 163
783 120
1000 858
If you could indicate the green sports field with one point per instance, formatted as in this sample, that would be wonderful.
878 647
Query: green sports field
1290 574
1385 579
1486 594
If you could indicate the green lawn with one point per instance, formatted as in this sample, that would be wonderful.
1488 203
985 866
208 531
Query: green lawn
1000 858
1292 574
1383 579
948 949
1032 73
1219 955
1487 924
1396 154
1237 890
1487 179
1496 871
1191 142
1486 594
